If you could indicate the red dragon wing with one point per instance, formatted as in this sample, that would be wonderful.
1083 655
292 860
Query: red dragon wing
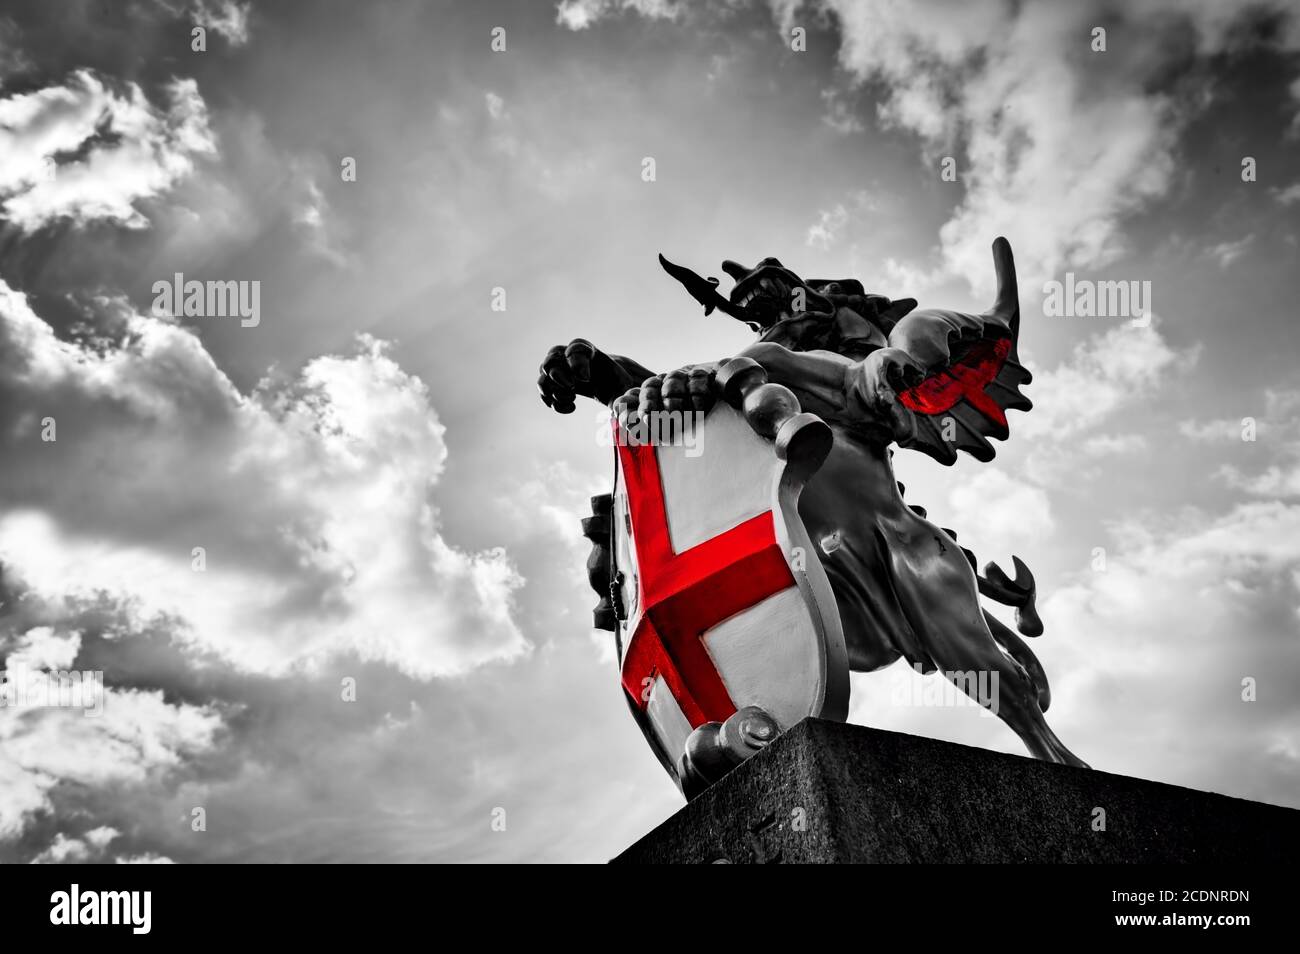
973 375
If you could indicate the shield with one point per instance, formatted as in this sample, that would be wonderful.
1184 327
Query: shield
721 599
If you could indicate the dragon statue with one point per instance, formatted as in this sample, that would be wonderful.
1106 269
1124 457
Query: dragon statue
879 372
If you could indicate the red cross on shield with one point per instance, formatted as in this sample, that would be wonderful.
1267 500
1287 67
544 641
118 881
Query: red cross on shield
726 602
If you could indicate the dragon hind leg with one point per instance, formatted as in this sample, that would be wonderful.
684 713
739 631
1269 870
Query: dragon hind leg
937 590
1019 651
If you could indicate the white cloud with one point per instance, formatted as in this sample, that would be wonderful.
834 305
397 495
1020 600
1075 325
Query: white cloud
1147 658
1225 253
1217 430
1100 445
1105 373
137 737
580 14
122 149
227 18
1287 196
67 850
558 498
1154 650
1001 513
830 223
1100 383
311 497
1055 144
146 859
1273 481
1273 431
533 157
42 648
311 218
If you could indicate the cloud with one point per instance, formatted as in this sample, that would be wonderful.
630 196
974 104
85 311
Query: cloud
311 218
580 14
1056 143
310 497
226 18
1218 430
1274 434
1274 481
1294 129
13 59
136 739
839 115
144 860
997 507
528 153
42 648
1105 372
830 223
1105 377
65 849
1037 120
1287 196
1101 445
1149 657
85 152
1225 253
1156 647
427 761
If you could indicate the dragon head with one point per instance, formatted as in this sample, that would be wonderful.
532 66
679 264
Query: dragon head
769 292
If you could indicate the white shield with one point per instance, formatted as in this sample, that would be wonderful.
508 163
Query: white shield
724 602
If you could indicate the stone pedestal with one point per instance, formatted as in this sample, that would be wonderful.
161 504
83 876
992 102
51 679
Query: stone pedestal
829 792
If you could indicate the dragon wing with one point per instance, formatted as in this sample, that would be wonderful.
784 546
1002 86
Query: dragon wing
973 376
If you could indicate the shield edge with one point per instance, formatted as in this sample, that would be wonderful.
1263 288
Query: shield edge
802 459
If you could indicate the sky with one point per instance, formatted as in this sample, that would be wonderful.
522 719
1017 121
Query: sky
383 649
